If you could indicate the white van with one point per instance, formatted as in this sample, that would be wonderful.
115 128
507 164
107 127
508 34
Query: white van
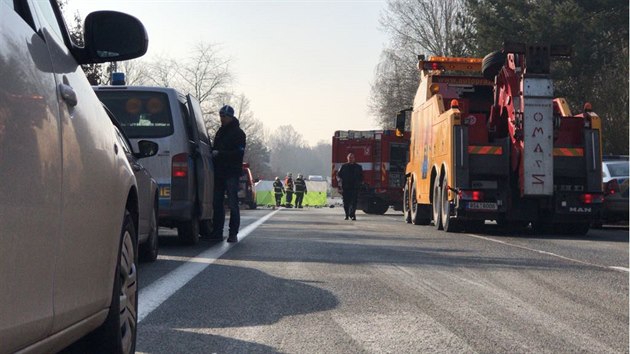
183 166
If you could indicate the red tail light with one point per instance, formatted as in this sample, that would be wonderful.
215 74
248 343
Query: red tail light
590 198
471 195
611 187
180 165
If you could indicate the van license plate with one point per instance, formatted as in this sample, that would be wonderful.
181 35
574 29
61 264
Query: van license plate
481 206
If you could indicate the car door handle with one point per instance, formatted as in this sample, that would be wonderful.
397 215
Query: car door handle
68 94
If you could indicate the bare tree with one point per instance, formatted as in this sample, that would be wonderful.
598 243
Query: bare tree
437 27
205 74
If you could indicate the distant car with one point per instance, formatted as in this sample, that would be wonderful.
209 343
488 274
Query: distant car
315 178
68 205
247 188
183 168
148 203
615 180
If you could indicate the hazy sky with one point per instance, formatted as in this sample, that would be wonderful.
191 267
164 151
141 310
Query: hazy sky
304 63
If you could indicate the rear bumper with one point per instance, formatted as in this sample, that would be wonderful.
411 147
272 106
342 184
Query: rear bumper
174 211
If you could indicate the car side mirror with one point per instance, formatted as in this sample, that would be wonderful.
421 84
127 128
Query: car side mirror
112 36
147 149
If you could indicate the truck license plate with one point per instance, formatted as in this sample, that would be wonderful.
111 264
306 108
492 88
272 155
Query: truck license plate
481 206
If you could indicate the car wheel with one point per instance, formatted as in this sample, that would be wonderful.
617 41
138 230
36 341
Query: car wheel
118 333
188 231
149 250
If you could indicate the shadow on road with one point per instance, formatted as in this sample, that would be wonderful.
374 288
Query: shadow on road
224 297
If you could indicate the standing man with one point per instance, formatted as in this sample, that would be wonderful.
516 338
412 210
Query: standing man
227 153
300 190
288 188
350 177
278 191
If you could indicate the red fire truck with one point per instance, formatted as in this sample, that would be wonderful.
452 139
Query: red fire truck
383 156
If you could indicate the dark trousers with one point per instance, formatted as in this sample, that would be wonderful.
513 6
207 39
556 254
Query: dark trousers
299 196
350 201
278 198
289 197
229 186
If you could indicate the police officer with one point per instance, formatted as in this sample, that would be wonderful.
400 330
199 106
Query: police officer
300 190
288 189
278 190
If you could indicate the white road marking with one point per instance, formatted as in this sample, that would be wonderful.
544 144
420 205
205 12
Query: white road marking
549 253
152 296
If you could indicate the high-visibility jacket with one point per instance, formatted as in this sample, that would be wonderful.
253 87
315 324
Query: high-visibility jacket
288 184
277 187
300 185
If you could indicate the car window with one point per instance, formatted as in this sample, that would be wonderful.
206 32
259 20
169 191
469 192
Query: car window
141 114
185 115
123 142
46 10
618 169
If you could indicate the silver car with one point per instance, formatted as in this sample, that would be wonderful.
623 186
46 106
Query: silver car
68 196
615 181
147 192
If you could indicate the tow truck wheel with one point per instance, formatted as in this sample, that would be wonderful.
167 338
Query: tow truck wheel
435 203
406 201
420 214
448 224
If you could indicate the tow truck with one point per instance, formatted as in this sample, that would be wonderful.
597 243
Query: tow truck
489 142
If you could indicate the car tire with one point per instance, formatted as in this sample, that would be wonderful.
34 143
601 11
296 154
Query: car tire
150 249
117 334
188 231
205 228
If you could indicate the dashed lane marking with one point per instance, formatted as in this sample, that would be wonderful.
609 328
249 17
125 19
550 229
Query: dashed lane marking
152 296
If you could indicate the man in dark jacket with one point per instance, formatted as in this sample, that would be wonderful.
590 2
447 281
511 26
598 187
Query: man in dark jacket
300 190
278 190
227 153
350 177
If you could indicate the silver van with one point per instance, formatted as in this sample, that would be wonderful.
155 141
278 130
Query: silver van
183 167
69 198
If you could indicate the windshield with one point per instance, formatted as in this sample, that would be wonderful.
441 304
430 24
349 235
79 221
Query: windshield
141 114
618 169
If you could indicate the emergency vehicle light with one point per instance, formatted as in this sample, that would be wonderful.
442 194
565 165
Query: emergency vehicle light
450 63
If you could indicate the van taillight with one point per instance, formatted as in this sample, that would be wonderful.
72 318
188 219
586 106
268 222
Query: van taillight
180 165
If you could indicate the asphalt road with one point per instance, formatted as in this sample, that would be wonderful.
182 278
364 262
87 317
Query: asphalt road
307 281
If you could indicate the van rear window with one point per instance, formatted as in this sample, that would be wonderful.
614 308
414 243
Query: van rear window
141 114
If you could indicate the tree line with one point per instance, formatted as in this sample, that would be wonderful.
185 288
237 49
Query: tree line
596 30
205 73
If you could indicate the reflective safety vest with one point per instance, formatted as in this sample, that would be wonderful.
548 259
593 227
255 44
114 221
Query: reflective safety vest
288 184
300 185
277 187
